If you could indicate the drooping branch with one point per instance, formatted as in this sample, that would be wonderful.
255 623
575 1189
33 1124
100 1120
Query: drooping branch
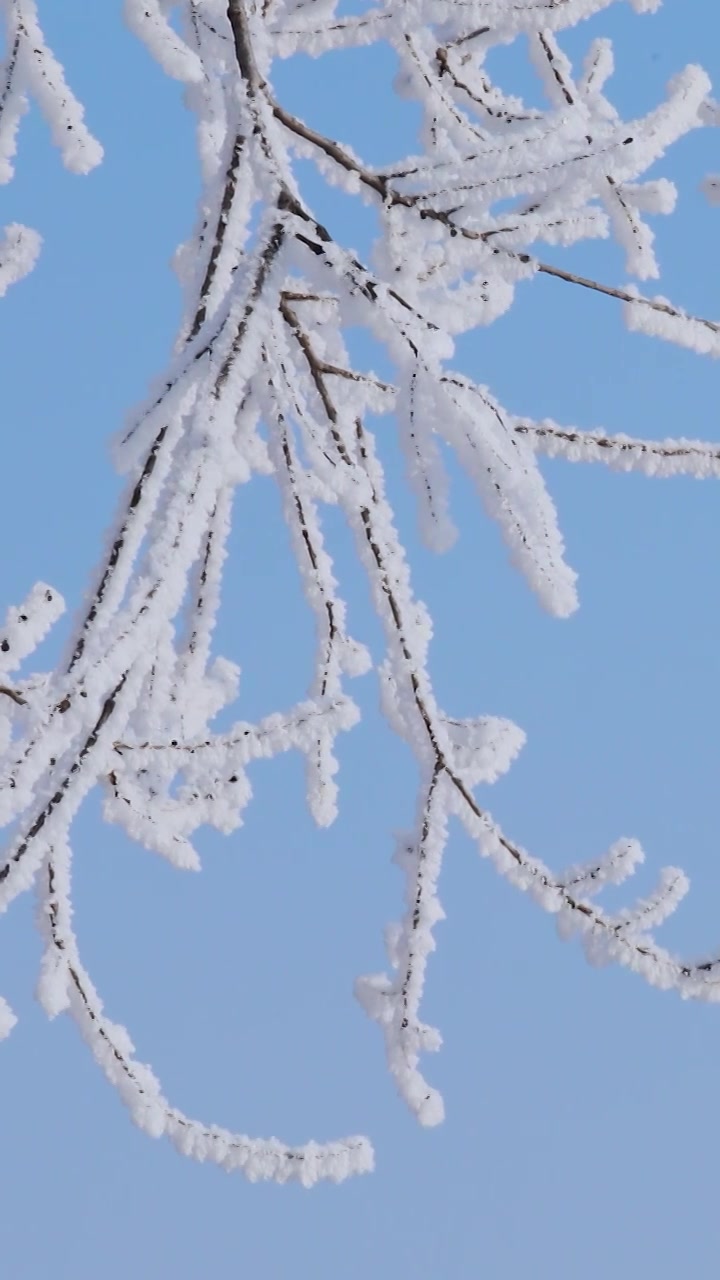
65 983
409 700
261 381
396 1005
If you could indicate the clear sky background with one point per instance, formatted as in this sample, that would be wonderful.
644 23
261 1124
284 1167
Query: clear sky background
583 1117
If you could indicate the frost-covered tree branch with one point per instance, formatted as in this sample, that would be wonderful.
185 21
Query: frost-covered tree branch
261 383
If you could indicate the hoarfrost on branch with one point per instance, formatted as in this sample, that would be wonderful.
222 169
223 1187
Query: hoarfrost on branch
261 382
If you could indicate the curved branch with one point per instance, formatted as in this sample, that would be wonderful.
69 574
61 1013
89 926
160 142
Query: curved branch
256 1158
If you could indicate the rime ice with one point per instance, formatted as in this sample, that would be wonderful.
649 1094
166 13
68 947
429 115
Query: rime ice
261 382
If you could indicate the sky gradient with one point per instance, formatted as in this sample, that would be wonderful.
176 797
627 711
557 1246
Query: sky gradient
582 1114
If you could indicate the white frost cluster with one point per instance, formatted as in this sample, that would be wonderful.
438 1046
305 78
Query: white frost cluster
261 383
30 70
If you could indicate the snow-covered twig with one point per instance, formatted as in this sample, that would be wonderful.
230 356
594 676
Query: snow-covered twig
261 381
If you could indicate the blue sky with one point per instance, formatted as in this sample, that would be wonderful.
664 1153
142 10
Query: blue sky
582 1116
